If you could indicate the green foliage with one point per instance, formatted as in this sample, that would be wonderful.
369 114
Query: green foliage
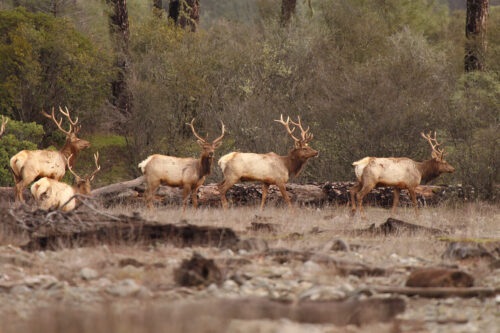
18 136
45 62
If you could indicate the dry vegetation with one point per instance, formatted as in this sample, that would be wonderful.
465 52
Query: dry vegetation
131 288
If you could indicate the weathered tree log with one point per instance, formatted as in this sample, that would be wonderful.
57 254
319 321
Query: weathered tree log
439 277
341 313
317 194
441 292
475 32
397 227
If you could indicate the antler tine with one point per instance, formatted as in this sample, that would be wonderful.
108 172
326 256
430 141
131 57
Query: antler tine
222 135
4 122
78 178
439 152
287 126
98 167
73 123
194 132
306 136
58 123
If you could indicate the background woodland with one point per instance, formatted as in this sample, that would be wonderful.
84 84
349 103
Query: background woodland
366 75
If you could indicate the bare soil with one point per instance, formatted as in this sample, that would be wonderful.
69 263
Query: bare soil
284 261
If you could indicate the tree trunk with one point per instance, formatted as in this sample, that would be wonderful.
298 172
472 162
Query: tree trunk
120 30
287 10
475 32
186 13
158 7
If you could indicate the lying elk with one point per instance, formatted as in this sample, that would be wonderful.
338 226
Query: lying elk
268 168
50 193
189 173
399 173
4 122
28 165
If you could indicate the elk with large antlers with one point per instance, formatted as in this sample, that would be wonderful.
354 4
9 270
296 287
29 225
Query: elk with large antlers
4 122
400 173
188 173
28 165
270 168
50 193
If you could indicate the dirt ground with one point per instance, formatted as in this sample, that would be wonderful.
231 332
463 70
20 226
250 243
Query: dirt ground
131 288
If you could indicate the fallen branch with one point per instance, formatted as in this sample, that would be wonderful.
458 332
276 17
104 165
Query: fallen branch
440 292
397 227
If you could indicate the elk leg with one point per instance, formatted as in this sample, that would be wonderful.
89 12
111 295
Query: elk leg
414 200
223 187
282 188
23 182
360 195
185 196
395 200
151 186
352 192
265 188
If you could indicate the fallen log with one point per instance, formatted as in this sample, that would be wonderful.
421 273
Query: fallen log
439 277
440 292
317 194
340 313
147 233
397 227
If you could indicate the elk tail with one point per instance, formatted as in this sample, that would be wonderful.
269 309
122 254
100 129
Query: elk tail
17 162
143 164
224 159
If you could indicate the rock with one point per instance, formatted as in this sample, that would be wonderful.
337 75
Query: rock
252 245
464 250
230 286
88 273
439 277
197 271
312 267
124 288
336 245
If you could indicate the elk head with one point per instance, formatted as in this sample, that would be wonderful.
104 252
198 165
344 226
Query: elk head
438 155
4 122
301 149
208 148
73 143
83 184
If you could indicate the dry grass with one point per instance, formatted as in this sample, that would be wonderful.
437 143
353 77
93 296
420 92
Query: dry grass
74 308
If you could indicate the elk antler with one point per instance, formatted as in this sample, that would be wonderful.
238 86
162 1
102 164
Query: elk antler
219 139
287 126
194 132
306 136
439 153
91 177
72 127
78 178
97 166
4 122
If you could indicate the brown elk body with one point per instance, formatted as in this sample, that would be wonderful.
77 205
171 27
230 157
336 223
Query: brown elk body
28 165
52 194
188 173
400 173
4 123
270 168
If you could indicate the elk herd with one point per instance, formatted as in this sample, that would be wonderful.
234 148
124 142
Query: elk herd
46 168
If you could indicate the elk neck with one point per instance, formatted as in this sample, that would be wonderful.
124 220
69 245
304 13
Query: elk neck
205 166
69 149
429 170
294 163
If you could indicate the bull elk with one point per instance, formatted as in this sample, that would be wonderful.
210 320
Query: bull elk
4 122
28 165
188 173
50 193
270 168
400 173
